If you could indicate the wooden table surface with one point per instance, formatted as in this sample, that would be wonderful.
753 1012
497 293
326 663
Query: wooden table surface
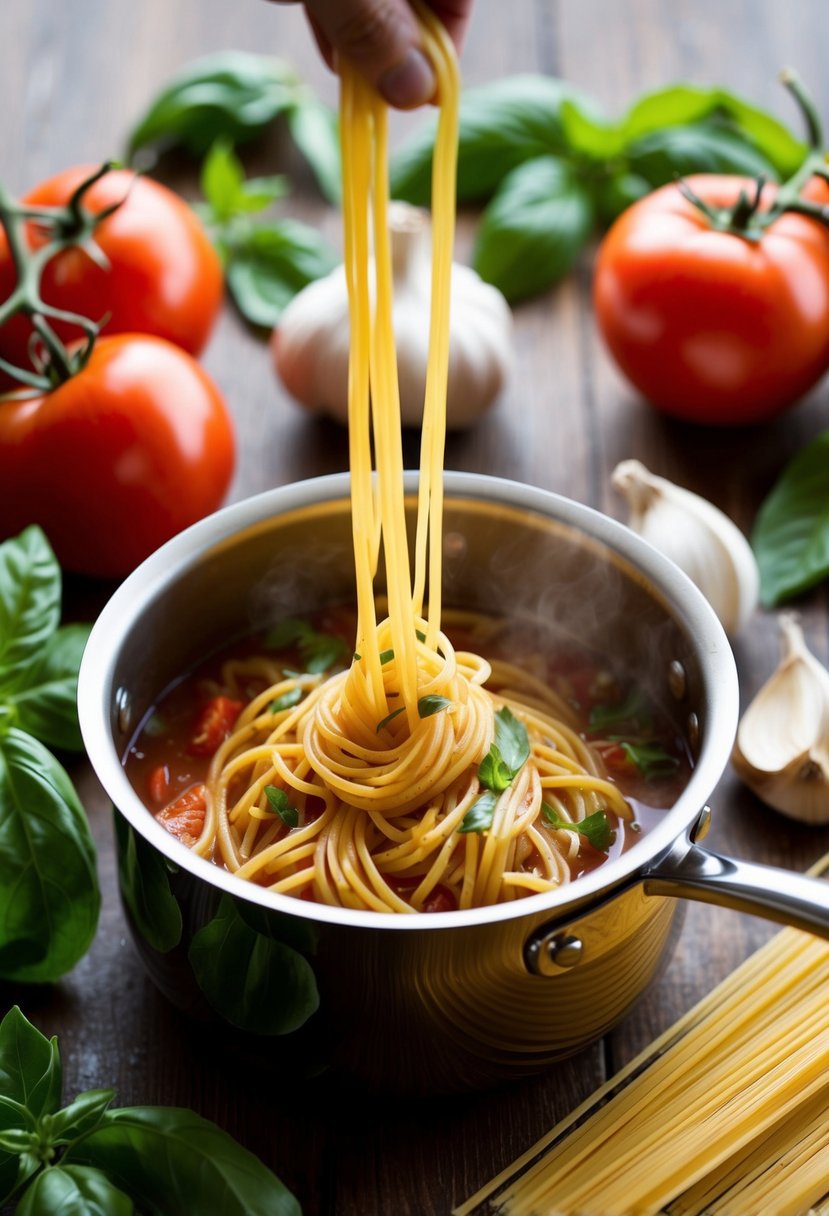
73 77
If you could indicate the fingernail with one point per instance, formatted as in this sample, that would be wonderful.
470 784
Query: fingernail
410 82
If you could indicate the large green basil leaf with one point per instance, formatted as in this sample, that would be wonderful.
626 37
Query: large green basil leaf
74 1190
47 706
502 124
589 132
230 94
664 155
145 887
274 263
687 104
253 981
30 587
81 1116
30 1069
49 896
177 1164
315 130
534 229
791 533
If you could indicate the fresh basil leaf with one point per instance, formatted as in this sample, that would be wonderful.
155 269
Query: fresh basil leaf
427 706
677 105
80 1116
287 632
493 772
511 739
634 709
145 889
664 155
315 131
74 1190
395 713
30 1069
175 1162
232 95
588 131
501 125
278 800
254 982
321 651
221 180
287 700
47 706
614 193
479 816
30 588
273 263
594 828
49 896
791 533
534 228
769 136
651 759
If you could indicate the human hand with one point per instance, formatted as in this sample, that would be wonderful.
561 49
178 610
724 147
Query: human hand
381 38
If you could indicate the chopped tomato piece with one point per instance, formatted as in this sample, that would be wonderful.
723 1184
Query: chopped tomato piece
160 785
213 725
184 818
440 899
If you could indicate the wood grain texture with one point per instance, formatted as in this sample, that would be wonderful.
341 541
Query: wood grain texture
73 77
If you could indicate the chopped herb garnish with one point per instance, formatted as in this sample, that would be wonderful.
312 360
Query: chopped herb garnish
595 828
498 769
318 650
634 708
287 700
281 805
386 656
388 718
427 706
479 816
421 637
651 759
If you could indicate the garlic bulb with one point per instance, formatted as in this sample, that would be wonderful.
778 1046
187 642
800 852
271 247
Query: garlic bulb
697 536
782 746
310 343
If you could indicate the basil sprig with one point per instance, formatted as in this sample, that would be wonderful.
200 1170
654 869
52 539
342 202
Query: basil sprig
552 167
791 532
49 894
498 769
87 1157
594 828
266 262
235 96
318 651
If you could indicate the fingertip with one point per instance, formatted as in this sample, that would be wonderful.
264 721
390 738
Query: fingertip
410 83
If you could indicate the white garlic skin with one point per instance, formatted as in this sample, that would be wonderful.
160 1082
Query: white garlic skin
782 747
697 536
310 343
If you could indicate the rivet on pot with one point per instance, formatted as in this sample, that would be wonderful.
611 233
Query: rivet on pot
700 829
693 733
124 710
565 950
677 680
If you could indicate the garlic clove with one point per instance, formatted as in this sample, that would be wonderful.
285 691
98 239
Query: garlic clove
697 536
782 746
310 344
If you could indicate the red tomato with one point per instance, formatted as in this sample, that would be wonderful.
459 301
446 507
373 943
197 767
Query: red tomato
708 325
163 277
184 818
214 724
117 459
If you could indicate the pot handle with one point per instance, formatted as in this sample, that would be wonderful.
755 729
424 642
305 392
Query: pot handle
690 871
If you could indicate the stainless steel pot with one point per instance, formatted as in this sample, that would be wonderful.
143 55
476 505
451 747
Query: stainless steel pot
436 1001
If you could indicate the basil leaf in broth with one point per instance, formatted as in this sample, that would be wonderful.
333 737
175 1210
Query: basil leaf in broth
791 533
534 228
664 155
480 815
74 1190
501 125
173 1161
271 264
511 739
49 897
47 706
30 1068
254 982
30 591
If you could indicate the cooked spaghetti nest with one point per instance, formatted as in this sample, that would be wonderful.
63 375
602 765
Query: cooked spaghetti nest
380 806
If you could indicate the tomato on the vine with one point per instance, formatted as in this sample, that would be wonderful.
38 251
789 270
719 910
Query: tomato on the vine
714 321
158 273
131 449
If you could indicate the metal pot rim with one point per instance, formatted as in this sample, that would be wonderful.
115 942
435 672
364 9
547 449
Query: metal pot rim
96 692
